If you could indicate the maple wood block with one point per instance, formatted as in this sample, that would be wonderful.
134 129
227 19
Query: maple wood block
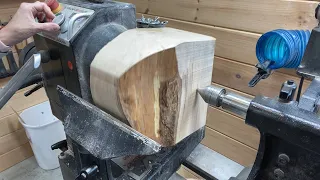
149 78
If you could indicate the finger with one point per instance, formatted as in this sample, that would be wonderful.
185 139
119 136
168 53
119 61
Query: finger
48 27
49 20
41 17
43 7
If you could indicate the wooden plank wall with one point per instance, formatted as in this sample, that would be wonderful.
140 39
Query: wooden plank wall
236 25
9 7
14 144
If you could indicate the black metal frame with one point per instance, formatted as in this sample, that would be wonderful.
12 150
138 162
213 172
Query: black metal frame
289 134
290 137
99 139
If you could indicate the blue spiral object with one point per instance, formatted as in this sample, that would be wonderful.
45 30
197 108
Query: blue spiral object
284 48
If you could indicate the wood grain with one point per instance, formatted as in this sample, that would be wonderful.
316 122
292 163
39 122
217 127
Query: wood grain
233 127
232 23
154 85
15 156
229 147
231 44
12 3
20 104
20 93
12 141
237 75
187 173
247 15
4 81
163 67
7 14
258 17
9 124
7 110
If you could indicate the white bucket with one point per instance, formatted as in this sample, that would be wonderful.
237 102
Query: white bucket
43 130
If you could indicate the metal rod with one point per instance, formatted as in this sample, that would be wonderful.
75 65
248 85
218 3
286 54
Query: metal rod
19 78
219 97
211 165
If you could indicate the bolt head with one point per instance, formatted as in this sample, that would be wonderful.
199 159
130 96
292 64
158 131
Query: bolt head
287 91
278 174
83 175
283 160
290 82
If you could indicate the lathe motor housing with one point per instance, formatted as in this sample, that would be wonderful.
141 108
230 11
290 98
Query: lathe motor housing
85 28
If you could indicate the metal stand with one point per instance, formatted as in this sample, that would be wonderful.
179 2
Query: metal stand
95 138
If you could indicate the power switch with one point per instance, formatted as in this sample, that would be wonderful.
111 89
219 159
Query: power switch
54 5
59 19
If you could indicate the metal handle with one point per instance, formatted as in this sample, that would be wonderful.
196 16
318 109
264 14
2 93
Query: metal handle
34 89
219 97
19 78
88 173
73 20
62 145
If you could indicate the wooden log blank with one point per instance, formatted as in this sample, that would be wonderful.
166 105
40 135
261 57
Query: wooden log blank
149 78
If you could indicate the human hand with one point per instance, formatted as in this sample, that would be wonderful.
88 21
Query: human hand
23 24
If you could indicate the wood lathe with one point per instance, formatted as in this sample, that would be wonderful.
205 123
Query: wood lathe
133 101
127 97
